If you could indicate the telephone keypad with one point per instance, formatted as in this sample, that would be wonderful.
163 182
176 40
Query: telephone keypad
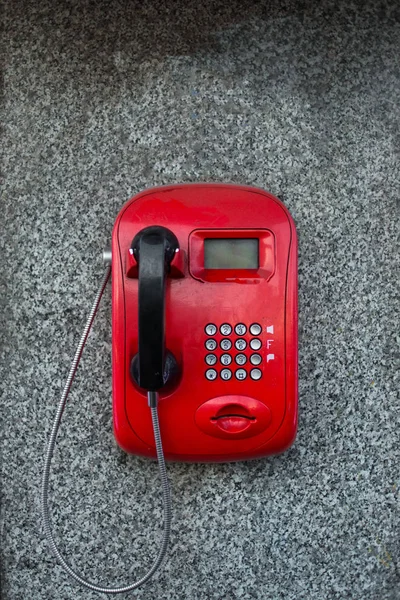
255 359
225 329
211 344
211 374
255 344
211 359
240 329
240 359
255 329
226 344
218 351
241 374
226 359
255 374
240 344
226 374
211 329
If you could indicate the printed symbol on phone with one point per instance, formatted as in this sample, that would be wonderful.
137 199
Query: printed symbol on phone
226 344
240 329
226 359
269 343
270 329
226 374
226 329
240 344
241 374
211 359
270 357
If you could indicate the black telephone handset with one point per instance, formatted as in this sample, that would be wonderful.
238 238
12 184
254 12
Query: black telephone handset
153 366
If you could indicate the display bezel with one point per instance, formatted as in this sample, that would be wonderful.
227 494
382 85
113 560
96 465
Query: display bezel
266 255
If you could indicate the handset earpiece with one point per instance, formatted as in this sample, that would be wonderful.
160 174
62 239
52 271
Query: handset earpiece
153 366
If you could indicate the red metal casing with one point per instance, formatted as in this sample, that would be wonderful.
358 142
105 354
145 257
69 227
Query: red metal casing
202 420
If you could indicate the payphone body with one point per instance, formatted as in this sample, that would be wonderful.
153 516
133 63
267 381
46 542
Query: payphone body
230 324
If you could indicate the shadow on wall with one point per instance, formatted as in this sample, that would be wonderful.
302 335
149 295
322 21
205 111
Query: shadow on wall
91 31
115 41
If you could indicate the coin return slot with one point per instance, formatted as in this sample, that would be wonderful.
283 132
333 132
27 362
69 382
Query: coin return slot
233 423
231 416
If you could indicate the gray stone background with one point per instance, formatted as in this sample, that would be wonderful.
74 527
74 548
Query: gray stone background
105 98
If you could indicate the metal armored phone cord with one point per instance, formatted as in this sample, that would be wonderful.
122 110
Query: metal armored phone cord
152 400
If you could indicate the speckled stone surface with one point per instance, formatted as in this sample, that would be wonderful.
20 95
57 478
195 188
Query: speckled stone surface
103 99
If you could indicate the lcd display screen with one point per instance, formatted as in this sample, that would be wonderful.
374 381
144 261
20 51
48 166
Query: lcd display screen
231 253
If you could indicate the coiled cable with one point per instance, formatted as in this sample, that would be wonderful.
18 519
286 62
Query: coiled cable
152 400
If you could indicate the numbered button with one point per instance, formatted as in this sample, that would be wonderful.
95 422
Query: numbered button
225 344
211 329
255 359
240 359
226 374
226 359
255 374
225 329
255 329
211 344
211 374
254 344
241 374
240 329
240 344
211 359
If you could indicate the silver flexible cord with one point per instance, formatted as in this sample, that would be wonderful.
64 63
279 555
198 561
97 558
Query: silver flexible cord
152 400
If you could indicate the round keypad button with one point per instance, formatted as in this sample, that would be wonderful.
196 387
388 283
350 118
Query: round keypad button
226 359
225 329
255 329
211 359
211 329
241 374
255 359
226 374
240 359
240 329
211 374
225 344
240 344
255 344
255 374
211 344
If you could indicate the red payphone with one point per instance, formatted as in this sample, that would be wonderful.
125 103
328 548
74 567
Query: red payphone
204 311
204 334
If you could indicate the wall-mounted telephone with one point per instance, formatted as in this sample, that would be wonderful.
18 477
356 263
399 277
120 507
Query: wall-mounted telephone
204 311
204 333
